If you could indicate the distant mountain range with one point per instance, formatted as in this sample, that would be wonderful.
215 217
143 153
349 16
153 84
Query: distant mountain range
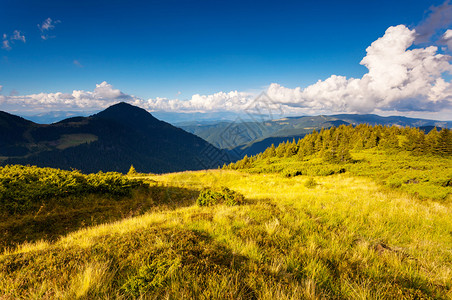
170 117
250 138
121 135
110 140
56 116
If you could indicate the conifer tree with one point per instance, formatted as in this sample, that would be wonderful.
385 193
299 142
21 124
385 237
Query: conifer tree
281 149
132 171
431 141
269 152
444 144
291 149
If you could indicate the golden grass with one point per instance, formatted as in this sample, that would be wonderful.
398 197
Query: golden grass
344 238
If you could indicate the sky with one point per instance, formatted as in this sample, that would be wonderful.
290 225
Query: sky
307 57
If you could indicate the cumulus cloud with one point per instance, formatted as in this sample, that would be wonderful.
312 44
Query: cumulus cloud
47 25
101 97
439 17
401 78
230 101
398 79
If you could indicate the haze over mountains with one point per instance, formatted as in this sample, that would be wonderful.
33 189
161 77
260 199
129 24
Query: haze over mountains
111 140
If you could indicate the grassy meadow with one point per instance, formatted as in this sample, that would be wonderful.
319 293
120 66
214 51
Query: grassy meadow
306 237
348 213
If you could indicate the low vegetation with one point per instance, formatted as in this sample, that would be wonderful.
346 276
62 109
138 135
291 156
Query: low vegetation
208 197
406 159
45 203
375 226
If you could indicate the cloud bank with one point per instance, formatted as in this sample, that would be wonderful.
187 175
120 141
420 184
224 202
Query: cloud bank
101 97
401 78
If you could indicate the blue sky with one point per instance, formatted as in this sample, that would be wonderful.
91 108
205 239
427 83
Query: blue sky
175 49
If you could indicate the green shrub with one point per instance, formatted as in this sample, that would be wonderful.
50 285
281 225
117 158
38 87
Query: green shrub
310 183
25 187
150 277
231 198
208 197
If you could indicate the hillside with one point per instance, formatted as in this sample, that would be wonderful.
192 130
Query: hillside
250 138
402 158
317 221
111 140
343 238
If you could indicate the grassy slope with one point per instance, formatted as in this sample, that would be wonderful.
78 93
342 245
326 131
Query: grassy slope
426 177
345 238
61 216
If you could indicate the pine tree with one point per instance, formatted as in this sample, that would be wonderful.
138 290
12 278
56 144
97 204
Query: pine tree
269 152
445 142
281 149
343 155
291 149
431 141
132 171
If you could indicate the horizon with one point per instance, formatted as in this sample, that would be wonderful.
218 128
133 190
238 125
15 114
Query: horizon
219 57
212 120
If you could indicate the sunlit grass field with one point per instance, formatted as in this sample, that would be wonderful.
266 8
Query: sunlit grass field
329 237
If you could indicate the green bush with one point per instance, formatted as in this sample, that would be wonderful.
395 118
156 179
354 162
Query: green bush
24 187
208 197
149 278
231 198
310 183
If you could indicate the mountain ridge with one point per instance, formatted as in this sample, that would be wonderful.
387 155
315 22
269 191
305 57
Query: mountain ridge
251 138
110 140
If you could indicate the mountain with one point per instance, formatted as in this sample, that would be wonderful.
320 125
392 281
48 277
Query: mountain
259 145
56 116
249 138
176 118
110 140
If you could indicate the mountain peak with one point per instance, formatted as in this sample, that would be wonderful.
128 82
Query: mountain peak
130 115
122 108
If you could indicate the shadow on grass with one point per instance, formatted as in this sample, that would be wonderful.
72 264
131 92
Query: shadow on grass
60 216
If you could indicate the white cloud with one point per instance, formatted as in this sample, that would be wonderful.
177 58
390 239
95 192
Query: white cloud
446 39
18 36
47 25
231 101
103 96
400 80
5 45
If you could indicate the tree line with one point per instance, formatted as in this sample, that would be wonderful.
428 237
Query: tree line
334 144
